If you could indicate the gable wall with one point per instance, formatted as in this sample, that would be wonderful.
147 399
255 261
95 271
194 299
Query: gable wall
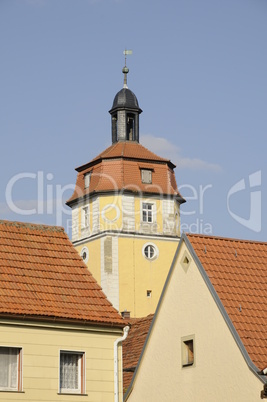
220 372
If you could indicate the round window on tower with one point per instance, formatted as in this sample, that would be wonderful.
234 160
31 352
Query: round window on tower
150 251
84 254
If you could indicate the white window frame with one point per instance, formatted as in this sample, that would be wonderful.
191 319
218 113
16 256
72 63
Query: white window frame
85 217
81 373
18 386
149 212
149 256
84 254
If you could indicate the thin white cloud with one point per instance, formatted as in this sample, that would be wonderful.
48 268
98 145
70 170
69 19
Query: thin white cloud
166 149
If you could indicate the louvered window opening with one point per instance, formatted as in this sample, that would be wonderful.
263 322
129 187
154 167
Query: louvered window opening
146 176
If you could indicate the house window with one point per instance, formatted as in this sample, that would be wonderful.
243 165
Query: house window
147 212
146 176
188 352
87 177
72 372
149 294
10 369
85 217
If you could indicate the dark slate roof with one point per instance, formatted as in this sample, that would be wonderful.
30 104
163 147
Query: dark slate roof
125 98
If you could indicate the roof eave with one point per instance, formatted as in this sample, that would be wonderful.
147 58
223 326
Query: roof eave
73 201
61 320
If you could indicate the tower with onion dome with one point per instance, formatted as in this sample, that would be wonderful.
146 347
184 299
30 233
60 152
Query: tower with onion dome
126 213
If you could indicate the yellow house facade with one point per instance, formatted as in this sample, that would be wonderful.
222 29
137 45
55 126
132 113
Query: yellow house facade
36 353
126 214
60 338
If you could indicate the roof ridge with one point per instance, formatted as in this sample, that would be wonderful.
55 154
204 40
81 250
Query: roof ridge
163 159
124 145
232 239
33 226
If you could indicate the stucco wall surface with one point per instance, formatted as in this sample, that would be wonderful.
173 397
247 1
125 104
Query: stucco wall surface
40 361
220 372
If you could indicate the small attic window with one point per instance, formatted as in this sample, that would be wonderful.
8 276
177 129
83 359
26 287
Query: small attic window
87 177
188 352
146 175
185 261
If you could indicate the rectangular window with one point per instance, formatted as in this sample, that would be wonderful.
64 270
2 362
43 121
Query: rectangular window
87 177
147 212
188 358
146 176
10 369
72 372
85 217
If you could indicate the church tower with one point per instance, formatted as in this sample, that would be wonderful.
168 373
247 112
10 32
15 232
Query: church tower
126 213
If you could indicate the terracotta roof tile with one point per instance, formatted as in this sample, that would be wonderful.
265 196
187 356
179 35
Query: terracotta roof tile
119 168
42 275
133 345
127 149
238 269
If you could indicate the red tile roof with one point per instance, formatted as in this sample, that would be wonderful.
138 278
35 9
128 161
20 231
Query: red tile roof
119 168
127 149
43 276
133 345
237 270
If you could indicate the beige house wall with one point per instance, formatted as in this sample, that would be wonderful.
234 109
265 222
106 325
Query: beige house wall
220 372
41 346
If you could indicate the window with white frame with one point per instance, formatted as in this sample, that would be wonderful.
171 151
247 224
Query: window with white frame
146 176
84 254
147 212
87 178
72 372
150 251
10 369
85 217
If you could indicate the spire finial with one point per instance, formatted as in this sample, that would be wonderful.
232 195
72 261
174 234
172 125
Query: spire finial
125 69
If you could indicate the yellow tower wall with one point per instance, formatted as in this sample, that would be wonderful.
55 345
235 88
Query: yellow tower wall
115 239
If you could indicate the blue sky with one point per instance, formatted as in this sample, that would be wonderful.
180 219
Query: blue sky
199 71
